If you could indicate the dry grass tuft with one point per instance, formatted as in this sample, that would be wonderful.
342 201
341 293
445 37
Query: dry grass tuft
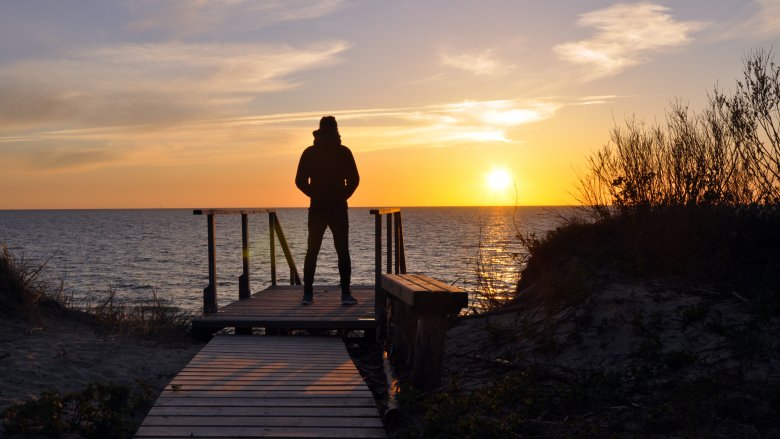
26 293
152 317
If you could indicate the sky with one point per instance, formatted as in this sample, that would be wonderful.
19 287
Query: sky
209 103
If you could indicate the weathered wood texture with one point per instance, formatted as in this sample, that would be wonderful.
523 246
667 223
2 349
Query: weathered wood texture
266 386
280 306
424 294
418 323
384 210
239 211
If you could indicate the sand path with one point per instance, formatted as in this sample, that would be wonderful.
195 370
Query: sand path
67 355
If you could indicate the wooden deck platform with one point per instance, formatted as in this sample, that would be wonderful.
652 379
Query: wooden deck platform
280 306
266 386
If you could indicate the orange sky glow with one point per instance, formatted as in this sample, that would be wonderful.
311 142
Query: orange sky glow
209 104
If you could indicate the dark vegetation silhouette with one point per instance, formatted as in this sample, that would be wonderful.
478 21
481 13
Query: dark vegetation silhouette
725 156
696 197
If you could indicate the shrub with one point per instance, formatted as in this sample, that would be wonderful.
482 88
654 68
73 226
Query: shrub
728 155
98 411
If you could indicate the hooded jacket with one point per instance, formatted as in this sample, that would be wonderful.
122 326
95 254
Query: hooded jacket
327 172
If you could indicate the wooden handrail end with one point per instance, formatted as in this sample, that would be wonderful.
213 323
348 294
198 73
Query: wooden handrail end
237 211
384 210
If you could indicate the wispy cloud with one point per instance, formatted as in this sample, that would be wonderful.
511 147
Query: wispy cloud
763 22
145 83
624 35
481 63
192 17
193 142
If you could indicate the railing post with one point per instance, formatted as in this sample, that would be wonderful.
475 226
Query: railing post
389 243
210 292
271 229
380 311
244 290
243 280
401 253
396 241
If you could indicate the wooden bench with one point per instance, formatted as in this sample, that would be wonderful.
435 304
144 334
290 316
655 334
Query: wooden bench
419 307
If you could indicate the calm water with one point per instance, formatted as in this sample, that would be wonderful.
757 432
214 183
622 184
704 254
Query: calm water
136 252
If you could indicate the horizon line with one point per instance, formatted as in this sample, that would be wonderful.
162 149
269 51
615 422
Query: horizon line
281 207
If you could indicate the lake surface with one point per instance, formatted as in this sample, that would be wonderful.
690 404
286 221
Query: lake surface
138 252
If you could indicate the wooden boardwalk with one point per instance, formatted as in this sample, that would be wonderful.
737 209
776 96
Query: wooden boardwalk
266 386
280 306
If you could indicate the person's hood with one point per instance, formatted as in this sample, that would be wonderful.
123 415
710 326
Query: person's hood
326 138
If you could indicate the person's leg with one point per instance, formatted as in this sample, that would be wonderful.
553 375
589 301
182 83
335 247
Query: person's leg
339 226
316 225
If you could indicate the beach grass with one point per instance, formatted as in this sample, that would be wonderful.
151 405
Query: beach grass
24 290
151 317
26 293
38 310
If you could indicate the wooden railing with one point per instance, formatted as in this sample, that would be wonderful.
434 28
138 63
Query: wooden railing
395 241
274 229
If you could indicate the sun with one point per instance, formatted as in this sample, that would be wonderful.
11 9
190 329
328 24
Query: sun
498 179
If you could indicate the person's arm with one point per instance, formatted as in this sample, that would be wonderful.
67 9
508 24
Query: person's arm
302 176
352 178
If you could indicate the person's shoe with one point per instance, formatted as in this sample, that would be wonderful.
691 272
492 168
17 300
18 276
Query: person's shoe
308 298
347 299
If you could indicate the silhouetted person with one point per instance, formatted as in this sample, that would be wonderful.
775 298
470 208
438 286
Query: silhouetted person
327 174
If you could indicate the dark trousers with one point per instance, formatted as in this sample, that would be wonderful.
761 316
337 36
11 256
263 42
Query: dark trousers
338 222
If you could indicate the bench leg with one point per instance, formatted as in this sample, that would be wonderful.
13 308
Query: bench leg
429 351
403 335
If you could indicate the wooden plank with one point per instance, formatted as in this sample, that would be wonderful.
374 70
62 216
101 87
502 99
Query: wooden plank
231 386
422 283
384 210
399 287
335 412
440 284
234 375
243 393
280 375
360 401
265 386
268 432
273 357
265 421
271 372
308 380
239 211
279 307
425 295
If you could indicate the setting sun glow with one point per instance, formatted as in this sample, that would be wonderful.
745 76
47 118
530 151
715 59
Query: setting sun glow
499 179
